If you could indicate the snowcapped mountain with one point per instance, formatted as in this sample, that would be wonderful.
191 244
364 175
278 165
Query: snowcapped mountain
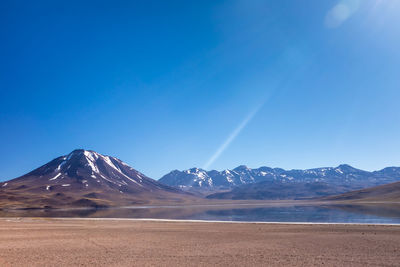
85 177
343 175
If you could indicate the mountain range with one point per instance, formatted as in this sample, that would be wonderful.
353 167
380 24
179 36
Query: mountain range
85 178
276 183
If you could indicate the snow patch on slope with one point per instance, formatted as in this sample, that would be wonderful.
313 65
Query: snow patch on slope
55 177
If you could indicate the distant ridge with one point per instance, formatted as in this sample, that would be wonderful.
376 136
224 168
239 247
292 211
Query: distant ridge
382 193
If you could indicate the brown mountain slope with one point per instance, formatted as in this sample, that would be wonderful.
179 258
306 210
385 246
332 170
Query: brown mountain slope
85 178
383 193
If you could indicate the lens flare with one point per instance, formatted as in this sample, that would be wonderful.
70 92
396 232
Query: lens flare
232 137
341 12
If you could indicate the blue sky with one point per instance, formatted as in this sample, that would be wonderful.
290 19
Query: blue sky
169 85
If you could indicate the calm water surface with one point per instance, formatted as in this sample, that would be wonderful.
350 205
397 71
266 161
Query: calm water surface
389 214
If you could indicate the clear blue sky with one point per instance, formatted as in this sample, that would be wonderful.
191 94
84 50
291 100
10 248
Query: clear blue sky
169 85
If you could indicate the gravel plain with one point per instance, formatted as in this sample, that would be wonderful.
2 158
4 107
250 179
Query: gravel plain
75 242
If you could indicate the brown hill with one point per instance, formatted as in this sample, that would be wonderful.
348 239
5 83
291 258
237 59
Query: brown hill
382 193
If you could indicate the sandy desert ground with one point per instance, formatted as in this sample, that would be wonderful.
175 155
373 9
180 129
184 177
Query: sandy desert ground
75 242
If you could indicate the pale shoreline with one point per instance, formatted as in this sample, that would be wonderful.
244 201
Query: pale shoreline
190 221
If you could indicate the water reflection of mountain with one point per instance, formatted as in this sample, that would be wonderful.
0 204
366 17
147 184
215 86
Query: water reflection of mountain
387 210
333 214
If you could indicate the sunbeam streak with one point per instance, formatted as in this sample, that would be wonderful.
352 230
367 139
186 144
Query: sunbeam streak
232 137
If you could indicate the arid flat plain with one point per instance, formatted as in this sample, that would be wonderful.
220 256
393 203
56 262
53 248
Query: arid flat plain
76 242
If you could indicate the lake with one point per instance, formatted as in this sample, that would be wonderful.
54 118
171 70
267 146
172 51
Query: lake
376 214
